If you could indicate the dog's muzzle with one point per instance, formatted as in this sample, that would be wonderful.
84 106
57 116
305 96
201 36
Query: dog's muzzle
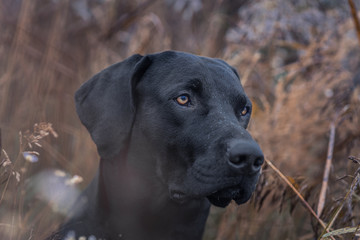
244 159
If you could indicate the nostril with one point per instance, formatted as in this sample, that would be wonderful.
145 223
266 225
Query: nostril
238 159
245 157
258 162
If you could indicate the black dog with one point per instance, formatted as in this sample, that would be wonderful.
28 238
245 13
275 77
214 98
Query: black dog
170 130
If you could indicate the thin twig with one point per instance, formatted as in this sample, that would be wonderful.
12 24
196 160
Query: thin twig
31 234
349 193
329 157
306 204
4 191
355 233
341 231
284 178
355 18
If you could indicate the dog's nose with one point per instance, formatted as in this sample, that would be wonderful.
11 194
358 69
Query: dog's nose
245 156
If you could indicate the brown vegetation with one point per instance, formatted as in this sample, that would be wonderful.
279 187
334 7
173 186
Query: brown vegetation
298 60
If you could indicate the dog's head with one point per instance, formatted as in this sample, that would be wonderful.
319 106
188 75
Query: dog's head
185 115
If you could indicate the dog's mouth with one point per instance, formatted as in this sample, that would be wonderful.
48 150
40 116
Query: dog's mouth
239 190
223 197
220 198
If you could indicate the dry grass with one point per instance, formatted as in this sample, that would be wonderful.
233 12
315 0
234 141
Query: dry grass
299 62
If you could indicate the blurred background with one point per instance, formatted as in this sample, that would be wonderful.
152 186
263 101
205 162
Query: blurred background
299 62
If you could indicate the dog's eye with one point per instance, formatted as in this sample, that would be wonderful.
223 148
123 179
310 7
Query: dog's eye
245 111
183 100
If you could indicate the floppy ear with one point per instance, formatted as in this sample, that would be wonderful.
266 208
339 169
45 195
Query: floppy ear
105 104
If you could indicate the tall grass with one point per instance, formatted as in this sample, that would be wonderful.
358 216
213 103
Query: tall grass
299 64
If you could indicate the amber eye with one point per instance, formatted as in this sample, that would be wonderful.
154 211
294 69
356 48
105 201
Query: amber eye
183 100
245 111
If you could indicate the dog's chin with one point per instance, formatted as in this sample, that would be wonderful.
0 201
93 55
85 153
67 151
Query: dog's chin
223 197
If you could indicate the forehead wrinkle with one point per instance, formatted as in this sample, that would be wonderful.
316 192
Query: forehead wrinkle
225 85
194 85
215 78
185 70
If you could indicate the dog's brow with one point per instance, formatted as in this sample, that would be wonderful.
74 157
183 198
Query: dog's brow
240 100
194 84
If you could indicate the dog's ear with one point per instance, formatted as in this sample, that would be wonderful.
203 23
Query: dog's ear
105 104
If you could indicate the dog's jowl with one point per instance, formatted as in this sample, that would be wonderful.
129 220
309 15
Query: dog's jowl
170 129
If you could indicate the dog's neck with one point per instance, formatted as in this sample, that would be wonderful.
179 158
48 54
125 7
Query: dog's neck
140 208
124 199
